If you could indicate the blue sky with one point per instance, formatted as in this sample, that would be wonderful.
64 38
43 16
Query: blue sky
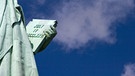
95 37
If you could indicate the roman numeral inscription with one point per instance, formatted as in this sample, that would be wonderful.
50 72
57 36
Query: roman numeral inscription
36 31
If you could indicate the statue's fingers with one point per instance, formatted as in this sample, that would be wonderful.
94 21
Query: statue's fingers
52 33
47 34
54 29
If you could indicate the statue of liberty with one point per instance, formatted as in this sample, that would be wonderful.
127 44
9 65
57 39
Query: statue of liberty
16 52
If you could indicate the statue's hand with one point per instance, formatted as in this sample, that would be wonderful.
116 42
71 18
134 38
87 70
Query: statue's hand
49 35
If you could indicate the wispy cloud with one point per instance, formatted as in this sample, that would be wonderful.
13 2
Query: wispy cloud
83 21
35 10
129 70
40 2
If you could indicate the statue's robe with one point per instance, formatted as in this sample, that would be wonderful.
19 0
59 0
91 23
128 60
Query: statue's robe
16 56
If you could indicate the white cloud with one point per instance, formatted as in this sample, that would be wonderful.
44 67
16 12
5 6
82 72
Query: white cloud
83 21
80 22
129 70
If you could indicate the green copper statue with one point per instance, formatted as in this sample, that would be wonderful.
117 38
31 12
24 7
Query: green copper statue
17 46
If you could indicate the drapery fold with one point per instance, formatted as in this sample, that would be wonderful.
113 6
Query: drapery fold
16 56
